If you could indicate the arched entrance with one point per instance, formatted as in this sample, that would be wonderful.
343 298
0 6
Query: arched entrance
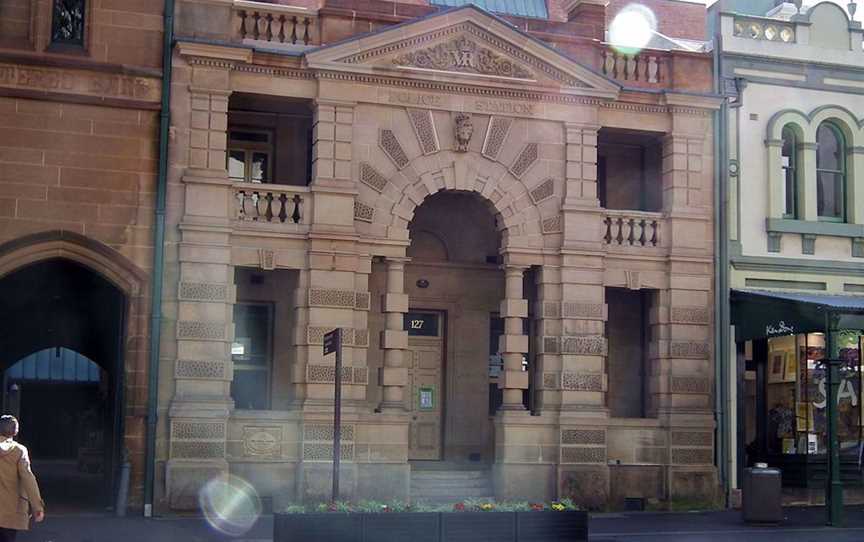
455 286
61 353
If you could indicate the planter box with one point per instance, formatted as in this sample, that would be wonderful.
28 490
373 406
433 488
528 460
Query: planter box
433 527
325 527
401 527
478 526
551 526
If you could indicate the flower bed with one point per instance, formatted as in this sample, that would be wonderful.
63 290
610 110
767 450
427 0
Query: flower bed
473 521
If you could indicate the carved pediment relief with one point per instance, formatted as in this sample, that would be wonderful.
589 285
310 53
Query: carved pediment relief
463 54
466 45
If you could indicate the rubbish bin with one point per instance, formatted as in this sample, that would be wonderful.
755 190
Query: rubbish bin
762 500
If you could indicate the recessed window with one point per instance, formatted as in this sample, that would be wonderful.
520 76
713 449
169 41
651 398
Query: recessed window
830 173
790 173
67 23
249 156
252 356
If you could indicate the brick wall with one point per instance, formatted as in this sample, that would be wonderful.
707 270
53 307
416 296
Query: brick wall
675 18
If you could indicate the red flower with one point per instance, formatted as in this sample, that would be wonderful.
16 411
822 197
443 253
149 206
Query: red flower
459 507
331 507
536 507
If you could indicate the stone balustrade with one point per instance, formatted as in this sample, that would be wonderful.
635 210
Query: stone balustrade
646 68
632 228
271 203
274 24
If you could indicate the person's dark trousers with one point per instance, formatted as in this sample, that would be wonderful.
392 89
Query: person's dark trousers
7 535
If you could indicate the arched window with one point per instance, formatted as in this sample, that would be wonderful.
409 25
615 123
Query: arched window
830 173
790 172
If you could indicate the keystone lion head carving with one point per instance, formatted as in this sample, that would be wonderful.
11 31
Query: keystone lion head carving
464 130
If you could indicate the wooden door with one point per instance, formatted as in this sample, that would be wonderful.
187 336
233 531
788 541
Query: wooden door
425 365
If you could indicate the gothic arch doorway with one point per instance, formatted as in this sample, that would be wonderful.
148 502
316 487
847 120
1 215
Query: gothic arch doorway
62 357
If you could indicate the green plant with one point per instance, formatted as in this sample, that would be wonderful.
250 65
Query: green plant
294 509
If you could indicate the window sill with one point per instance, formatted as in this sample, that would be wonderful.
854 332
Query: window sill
834 229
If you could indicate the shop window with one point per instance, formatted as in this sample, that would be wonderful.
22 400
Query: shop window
67 22
627 334
252 355
796 393
249 156
830 173
790 172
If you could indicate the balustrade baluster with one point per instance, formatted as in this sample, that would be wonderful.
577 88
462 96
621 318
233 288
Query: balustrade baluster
269 33
282 29
655 240
294 30
619 238
283 211
631 228
608 235
641 237
306 24
295 216
653 70
255 198
609 64
242 14
630 68
268 206
257 33
241 205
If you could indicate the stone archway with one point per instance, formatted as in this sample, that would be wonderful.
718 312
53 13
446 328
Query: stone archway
66 254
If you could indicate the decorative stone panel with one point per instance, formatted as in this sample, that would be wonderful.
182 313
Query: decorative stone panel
551 345
550 381
689 315
331 298
496 134
587 345
363 212
690 384
326 374
583 436
571 381
582 310
324 432
361 301
198 449
544 190
424 127
371 178
527 158
573 454
361 375
692 438
197 430
262 441
193 368
392 148
554 224
361 337
206 331
319 451
203 291
552 310
692 456
689 349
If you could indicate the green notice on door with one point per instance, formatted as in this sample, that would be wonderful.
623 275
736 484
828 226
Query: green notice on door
426 400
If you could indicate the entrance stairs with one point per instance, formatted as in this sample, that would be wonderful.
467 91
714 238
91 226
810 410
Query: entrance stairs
435 482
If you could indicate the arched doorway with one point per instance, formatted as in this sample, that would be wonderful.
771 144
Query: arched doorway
455 286
61 353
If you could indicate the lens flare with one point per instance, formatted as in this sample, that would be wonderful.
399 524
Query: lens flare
230 504
632 29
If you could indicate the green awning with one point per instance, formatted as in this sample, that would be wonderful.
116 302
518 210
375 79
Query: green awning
759 314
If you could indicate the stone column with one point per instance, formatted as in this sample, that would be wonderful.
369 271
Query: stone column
394 339
548 328
807 182
202 403
513 345
776 202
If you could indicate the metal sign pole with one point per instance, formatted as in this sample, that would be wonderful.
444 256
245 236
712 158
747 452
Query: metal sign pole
337 416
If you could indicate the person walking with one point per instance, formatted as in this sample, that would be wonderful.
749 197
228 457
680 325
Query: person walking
19 492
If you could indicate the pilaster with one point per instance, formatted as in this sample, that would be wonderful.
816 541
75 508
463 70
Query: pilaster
394 338
583 218
332 185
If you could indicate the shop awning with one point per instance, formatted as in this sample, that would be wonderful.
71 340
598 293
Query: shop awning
760 313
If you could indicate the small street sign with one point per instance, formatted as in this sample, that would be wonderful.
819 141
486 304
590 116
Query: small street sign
330 342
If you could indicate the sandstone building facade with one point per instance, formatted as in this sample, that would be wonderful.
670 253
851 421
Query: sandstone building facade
511 221
79 109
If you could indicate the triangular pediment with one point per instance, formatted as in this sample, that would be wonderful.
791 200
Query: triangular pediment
466 45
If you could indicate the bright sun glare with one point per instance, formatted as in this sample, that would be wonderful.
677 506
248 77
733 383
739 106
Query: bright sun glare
632 28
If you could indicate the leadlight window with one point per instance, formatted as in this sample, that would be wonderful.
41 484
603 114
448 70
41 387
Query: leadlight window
249 156
67 24
251 353
830 173
790 173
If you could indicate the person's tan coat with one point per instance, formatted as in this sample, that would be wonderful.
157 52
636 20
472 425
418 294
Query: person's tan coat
19 492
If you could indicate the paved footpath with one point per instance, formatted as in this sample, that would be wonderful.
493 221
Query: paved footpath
800 525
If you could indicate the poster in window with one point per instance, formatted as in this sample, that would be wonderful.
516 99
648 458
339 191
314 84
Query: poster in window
776 366
790 371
